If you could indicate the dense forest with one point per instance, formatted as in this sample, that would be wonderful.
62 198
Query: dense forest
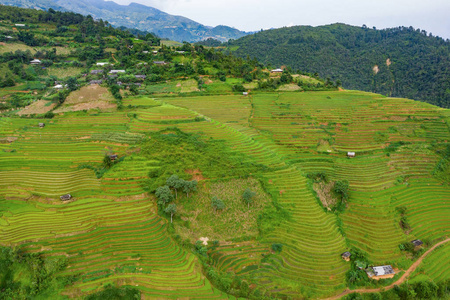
399 62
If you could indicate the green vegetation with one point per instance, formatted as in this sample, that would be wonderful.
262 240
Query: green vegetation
396 62
180 175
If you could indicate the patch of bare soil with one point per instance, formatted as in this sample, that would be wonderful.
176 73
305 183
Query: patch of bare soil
38 107
376 69
388 62
325 193
88 97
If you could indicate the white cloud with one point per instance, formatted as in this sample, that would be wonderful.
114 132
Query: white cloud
251 15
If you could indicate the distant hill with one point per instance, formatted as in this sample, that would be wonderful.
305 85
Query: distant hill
137 16
400 62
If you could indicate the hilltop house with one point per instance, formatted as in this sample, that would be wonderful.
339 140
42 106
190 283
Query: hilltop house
351 154
41 125
346 256
113 157
35 62
66 197
276 71
116 71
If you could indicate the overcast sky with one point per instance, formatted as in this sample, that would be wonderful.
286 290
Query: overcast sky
251 15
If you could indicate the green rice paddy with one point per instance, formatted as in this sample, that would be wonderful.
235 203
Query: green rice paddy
111 231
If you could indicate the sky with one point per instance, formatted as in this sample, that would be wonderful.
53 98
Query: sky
254 15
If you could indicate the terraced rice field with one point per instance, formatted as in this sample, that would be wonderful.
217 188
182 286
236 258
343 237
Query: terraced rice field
111 232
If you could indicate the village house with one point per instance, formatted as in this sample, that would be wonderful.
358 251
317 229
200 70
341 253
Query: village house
346 256
145 52
180 52
159 62
41 125
119 82
417 243
351 154
19 25
96 82
58 87
95 72
116 71
277 71
35 62
155 52
66 197
381 272
245 93
9 37
113 157
102 63
140 76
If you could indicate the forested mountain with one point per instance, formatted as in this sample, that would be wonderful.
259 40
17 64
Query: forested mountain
400 62
137 16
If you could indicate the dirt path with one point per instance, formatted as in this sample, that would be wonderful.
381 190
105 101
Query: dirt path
398 282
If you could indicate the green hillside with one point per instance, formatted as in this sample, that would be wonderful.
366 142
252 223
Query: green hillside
396 62
198 175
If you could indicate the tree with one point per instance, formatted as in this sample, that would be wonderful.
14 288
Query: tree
171 209
341 189
217 204
189 186
164 195
176 183
72 83
107 162
247 196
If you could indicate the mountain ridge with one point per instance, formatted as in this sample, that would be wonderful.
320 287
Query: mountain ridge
139 16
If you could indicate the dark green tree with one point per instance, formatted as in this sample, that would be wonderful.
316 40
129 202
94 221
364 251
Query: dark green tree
217 204
164 195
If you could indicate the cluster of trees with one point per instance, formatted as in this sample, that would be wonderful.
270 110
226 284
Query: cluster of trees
419 290
410 63
30 275
164 194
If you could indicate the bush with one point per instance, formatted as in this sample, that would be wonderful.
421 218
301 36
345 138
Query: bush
277 247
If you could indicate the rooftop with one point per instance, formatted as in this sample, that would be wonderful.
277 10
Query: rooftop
383 270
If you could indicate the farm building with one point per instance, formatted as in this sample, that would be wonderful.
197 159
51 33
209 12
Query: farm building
245 93
19 25
417 243
351 154
137 84
155 52
140 76
159 62
35 62
95 72
42 125
96 82
381 272
346 256
119 83
102 63
66 197
114 157
276 71
116 71
58 86
180 52
145 52
9 37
